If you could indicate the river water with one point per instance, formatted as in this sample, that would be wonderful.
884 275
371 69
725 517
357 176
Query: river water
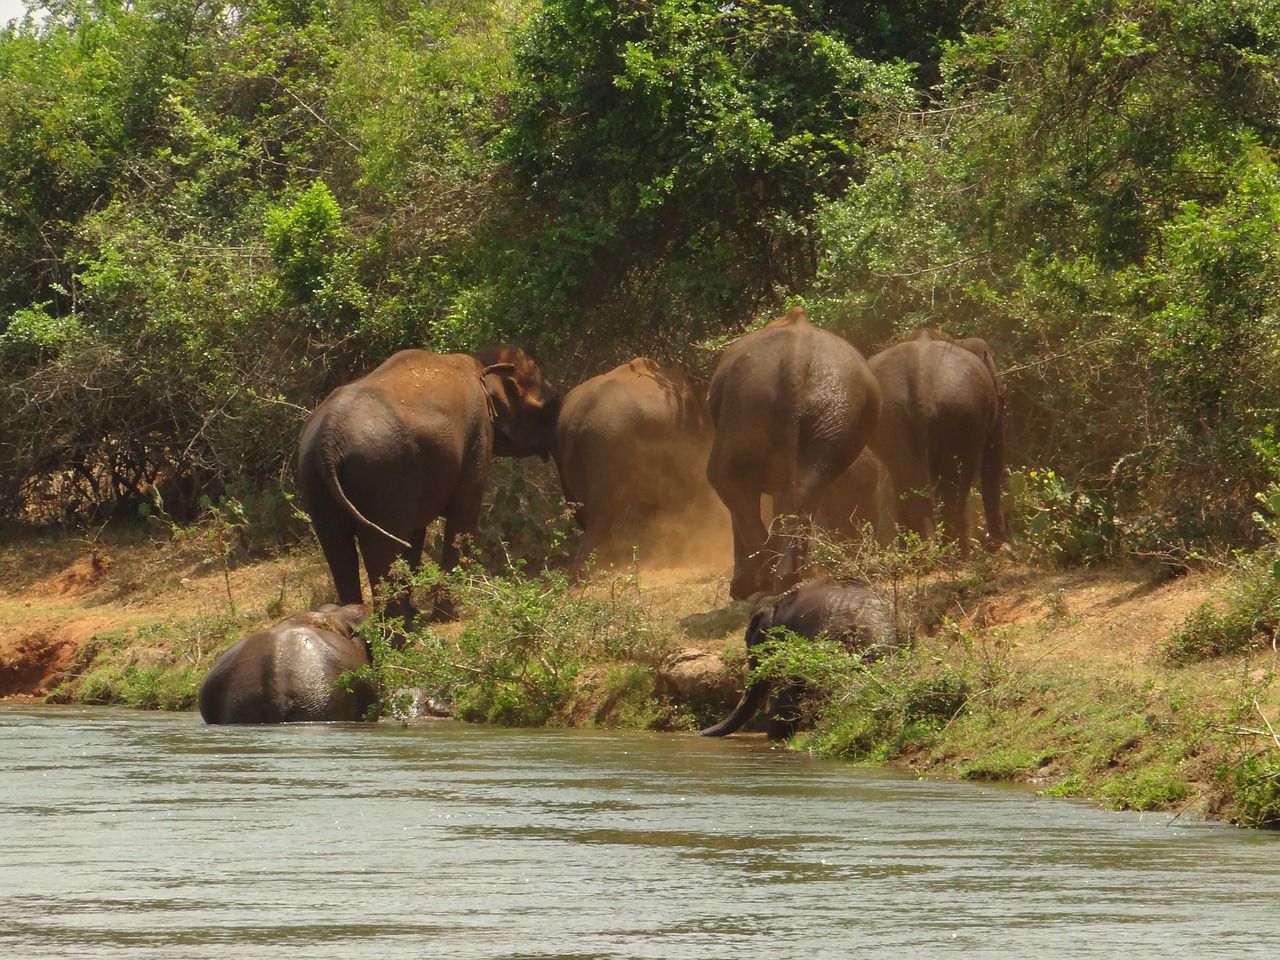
130 834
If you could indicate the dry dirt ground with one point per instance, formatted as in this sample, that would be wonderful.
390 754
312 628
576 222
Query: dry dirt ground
55 595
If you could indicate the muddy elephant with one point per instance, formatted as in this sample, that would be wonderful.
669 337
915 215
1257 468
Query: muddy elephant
793 406
384 456
631 451
941 425
861 495
286 674
853 615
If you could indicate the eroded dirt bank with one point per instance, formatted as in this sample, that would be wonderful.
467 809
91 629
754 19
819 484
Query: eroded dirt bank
1052 631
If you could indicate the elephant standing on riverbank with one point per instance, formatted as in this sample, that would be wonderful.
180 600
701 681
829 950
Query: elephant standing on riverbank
410 441
941 424
793 405
631 446
861 495
286 674
855 616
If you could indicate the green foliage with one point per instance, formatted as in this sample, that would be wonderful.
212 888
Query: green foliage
211 215
525 523
889 707
302 238
1248 614
156 667
33 336
1089 195
1065 526
523 648
1257 789
671 156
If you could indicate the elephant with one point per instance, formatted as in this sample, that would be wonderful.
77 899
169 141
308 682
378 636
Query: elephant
859 496
942 423
853 615
286 674
793 405
632 444
410 441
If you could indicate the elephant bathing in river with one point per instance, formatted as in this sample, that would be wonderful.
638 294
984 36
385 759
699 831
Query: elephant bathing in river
852 615
286 674
410 441
631 445
941 423
793 405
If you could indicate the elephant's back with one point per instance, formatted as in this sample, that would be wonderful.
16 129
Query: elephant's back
636 400
235 688
448 384
283 675
854 615
935 381
801 354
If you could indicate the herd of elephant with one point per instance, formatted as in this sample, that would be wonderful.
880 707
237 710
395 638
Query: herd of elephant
793 413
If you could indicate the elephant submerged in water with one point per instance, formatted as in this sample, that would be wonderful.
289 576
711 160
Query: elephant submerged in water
793 406
286 674
941 424
853 615
410 441
631 446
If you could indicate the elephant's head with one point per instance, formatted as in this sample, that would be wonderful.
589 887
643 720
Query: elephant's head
525 405
340 620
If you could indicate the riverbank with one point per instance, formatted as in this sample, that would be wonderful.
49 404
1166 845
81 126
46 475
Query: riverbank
1057 679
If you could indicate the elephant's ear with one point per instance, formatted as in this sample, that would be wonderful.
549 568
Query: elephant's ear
498 384
758 628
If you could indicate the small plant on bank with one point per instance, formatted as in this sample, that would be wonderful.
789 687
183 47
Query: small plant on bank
1066 526
1249 615
1255 771
888 708
157 667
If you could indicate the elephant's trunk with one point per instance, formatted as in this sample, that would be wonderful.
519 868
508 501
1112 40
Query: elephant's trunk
756 694
753 698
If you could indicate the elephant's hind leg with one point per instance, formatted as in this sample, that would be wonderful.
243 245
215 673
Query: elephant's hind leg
955 478
338 544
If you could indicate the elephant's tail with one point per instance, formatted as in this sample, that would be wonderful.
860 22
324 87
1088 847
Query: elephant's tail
335 488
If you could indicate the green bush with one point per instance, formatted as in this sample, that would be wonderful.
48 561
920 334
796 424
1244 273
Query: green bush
525 643
1065 525
1257 789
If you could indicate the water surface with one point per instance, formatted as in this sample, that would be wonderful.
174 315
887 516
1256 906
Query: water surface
130 834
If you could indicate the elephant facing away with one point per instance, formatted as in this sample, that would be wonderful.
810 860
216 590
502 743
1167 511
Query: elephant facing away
861 495
793 405
631 450
410 441
941 425
286 674
852 615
